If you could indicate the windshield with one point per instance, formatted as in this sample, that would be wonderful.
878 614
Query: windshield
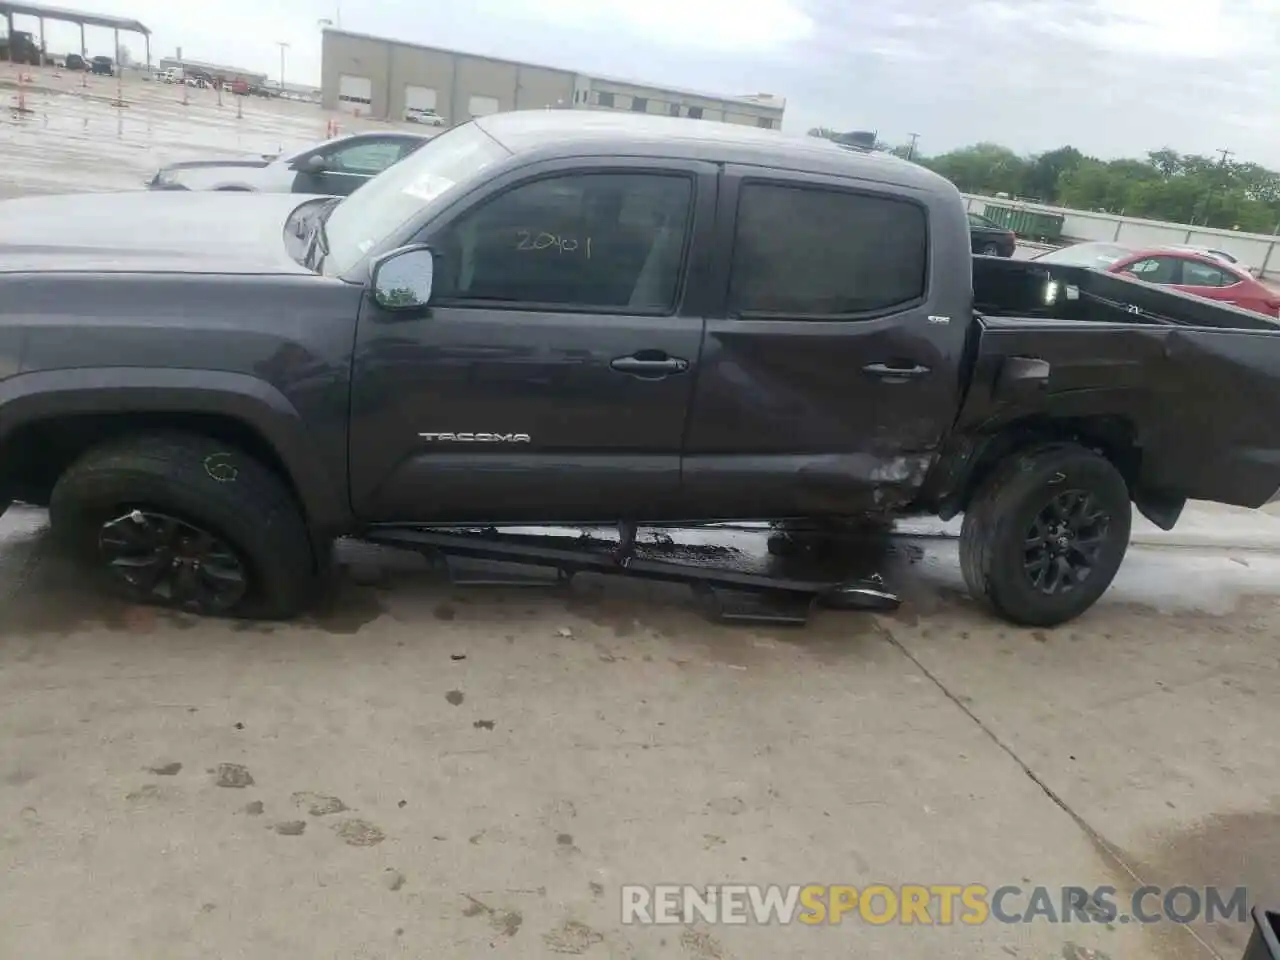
1096 255
389 200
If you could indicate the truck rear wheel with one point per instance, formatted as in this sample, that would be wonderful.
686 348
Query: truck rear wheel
183 521
1046 533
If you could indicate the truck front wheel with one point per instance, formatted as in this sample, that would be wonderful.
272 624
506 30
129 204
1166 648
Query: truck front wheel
184 521
1045 534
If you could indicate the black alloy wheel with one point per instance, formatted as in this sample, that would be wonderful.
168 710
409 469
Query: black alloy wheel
165 560
1064 542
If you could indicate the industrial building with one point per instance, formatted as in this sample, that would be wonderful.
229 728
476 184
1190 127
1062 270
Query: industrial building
212 71
389 79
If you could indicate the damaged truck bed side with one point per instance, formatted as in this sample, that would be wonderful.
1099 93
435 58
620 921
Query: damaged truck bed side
563 316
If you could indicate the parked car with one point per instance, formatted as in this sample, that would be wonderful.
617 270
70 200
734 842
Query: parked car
1219 254
336 167
103 66
1189 270
76 62
548 316
988 238
424 116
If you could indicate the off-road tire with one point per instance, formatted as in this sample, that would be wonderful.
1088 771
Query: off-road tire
994 531
242 502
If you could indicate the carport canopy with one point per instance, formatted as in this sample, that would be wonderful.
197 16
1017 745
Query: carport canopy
43 12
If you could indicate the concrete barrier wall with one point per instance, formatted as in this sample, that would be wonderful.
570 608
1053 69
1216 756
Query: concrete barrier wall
1256 250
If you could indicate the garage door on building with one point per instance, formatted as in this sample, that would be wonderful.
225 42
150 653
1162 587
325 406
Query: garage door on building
355 95
483 106
419 100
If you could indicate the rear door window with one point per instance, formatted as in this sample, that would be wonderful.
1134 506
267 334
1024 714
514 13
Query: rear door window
1196 274
817 252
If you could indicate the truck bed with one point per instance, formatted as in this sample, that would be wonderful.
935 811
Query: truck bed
1025 288
1194 385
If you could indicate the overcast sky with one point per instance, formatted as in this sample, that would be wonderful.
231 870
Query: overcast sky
1113 77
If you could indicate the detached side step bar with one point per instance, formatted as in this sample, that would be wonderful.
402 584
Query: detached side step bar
792 597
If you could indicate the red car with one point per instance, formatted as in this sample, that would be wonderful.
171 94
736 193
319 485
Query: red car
1202 274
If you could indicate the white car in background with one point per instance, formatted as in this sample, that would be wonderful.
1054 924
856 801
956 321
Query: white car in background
423 115
333 168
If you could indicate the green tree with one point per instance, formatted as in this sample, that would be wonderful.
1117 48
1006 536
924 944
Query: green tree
982 168
1045 172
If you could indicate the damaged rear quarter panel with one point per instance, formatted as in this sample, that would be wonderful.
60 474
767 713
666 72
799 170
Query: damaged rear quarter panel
1200 403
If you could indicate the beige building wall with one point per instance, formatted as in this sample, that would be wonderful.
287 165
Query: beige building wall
603 94
540 87
460 81
358 57
429 69
465 85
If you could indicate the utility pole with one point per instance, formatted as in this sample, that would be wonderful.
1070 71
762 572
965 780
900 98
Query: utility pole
1222 163
911 148
283 47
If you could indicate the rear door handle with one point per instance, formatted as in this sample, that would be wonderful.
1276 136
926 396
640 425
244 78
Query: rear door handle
649 368
892 373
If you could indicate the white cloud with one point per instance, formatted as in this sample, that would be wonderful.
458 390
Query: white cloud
1190 29
1030 73
727 25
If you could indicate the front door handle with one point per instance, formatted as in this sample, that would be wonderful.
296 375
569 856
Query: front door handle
892 373
650 367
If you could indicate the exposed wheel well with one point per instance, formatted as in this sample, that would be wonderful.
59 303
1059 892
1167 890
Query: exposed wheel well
1111 437
36 454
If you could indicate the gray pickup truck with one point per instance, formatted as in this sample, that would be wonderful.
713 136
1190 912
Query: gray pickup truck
564 316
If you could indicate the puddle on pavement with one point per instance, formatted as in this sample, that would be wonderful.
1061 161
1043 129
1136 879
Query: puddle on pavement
1226 851
54 596
348 613
76 138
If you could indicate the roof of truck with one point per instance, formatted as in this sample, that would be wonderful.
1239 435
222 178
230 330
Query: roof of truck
567 132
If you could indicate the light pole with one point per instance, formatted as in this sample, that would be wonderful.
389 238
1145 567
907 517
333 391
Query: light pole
283 47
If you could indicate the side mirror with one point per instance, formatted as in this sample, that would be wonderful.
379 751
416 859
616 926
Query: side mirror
316 163
402 279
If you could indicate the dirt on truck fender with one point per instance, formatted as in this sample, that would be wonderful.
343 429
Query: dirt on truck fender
568 317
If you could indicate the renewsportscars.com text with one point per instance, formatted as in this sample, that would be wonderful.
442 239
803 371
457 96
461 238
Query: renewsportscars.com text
933 904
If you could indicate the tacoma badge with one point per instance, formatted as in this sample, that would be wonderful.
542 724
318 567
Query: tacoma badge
476 437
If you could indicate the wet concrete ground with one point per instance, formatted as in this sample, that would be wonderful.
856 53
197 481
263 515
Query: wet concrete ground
423 770
81 132
420 770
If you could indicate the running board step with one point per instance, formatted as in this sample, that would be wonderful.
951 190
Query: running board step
478 572
490 558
